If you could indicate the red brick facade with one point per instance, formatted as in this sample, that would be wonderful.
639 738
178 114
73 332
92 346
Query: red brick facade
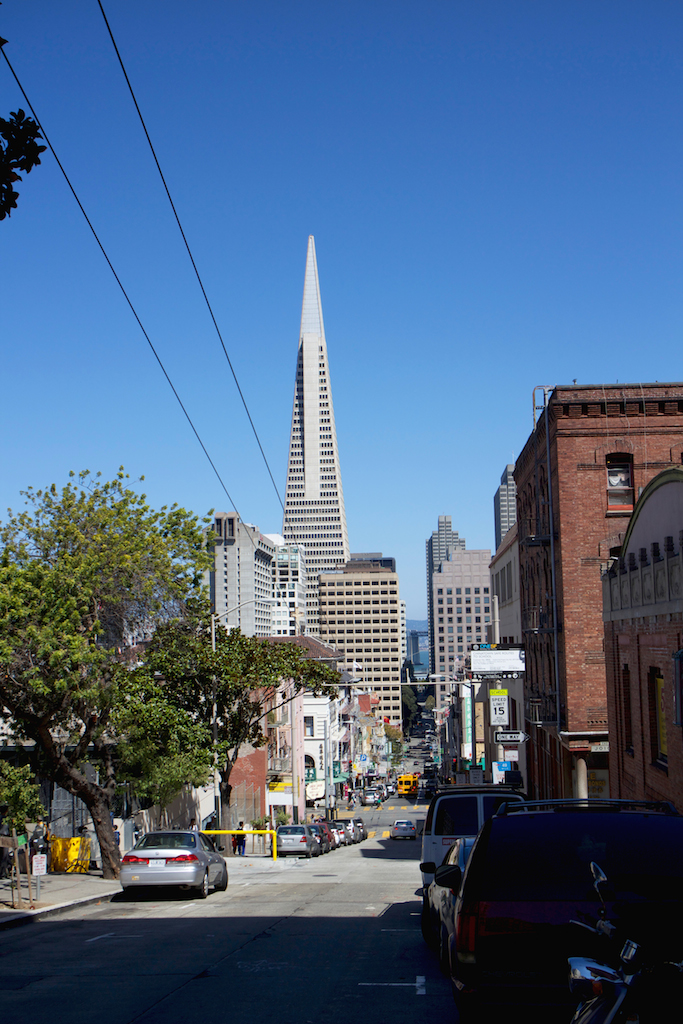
605 444
643 613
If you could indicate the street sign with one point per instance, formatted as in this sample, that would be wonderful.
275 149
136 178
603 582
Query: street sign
40 864
510 737
363 758
498 707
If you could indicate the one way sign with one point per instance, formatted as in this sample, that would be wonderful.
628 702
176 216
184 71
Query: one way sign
510 737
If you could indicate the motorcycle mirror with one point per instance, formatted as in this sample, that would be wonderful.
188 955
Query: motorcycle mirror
599 878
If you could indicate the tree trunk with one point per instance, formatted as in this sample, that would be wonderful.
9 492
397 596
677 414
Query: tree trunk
97 800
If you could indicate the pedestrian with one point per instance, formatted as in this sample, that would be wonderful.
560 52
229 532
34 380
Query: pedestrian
378 805
193 825
241 840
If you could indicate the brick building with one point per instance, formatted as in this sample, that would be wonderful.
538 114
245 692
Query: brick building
603 445
643 622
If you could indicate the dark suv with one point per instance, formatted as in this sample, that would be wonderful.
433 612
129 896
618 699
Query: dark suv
529 874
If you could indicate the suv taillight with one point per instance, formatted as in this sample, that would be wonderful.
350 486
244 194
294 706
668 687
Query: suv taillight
466 932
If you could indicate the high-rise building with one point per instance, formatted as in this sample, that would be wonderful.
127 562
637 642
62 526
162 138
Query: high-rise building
289 588
505 504
440 546
461 594
361 616
241 587
314 513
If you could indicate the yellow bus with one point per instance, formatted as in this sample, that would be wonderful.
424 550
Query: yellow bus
408 785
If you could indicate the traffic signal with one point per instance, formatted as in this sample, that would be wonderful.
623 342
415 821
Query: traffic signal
454 764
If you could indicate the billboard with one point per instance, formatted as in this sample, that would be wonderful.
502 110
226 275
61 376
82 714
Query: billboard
496 660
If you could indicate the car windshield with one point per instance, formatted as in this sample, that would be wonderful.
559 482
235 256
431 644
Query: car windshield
167 841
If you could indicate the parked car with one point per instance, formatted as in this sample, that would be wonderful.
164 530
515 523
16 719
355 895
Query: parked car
297 840
321 835
403 829
188 859
454 812
347 832
361 825
529 874
439 921
325 827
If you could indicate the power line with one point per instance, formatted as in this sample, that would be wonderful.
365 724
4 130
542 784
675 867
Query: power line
189 251
117 279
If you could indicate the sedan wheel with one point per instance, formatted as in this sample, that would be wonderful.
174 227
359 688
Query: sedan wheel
203 890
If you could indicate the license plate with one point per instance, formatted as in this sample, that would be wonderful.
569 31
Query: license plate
157 863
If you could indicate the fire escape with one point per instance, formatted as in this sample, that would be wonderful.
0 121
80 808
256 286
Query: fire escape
537 537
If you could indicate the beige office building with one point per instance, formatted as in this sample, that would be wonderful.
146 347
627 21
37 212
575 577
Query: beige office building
360 616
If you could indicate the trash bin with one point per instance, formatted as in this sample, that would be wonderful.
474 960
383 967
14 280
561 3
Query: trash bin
70 855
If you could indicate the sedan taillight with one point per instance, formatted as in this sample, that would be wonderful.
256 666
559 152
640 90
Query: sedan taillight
303 839
132 859
183 857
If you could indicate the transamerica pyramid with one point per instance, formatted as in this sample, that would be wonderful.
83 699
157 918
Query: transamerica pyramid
314 501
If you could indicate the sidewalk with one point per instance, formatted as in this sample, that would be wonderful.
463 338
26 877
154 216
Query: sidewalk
57 892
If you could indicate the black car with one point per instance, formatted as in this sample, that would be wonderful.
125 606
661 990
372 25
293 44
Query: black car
529 874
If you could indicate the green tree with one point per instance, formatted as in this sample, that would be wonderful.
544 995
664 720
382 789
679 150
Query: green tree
231 690
409 710
85 572
19 151
19 793
430 703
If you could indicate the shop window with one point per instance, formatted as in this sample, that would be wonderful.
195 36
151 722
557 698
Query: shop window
619 482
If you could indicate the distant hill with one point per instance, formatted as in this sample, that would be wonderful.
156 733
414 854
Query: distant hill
418 624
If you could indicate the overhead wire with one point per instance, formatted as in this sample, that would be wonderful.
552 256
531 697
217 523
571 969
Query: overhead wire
189 251
117 278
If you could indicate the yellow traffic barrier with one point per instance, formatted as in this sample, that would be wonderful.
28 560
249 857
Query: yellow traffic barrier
244 832
70 855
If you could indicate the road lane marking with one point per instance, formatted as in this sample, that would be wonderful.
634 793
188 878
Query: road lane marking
385 834
371 834
107 935
419 984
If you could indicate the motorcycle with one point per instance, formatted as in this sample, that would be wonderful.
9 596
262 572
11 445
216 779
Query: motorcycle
638 990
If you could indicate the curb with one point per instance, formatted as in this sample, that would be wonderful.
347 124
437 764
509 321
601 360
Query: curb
20 917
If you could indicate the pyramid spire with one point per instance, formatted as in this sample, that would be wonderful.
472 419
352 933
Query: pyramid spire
311 308
314 500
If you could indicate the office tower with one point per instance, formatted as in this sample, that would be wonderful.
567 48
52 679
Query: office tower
289 588
440 546
314 513
360 616
505 504
461 596
241 585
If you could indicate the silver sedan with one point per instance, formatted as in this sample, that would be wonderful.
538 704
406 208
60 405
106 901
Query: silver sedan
188 859
403 830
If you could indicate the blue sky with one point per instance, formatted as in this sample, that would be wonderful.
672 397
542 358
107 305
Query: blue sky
495 193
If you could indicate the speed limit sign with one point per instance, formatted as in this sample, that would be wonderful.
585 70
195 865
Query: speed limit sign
498 707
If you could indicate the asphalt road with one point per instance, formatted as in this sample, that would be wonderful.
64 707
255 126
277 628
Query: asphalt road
334 939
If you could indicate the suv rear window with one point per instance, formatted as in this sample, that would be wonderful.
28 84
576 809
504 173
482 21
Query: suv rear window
547 857
456 816
291 830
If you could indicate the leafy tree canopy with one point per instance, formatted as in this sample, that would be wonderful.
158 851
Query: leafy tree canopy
85 572
19 151
19 793
230 689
